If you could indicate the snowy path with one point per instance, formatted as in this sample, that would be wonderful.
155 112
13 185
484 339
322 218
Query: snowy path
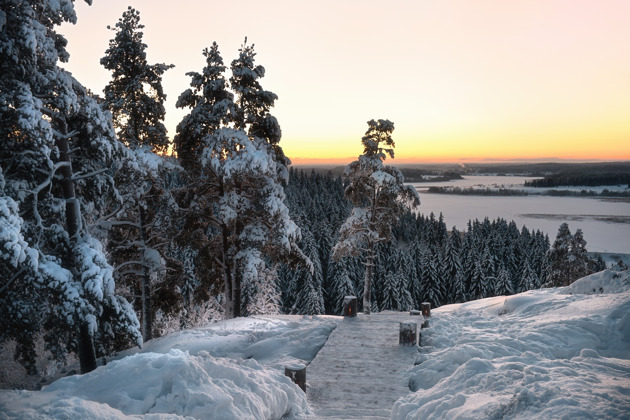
360 372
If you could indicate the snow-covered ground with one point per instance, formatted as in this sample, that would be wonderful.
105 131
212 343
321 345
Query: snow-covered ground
552 353
228 370
545 354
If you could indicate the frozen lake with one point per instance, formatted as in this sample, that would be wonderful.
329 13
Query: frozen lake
605 223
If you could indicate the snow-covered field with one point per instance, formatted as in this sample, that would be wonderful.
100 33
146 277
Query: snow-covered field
550 354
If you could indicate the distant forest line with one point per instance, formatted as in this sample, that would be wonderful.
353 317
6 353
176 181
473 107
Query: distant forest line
553 174
506 192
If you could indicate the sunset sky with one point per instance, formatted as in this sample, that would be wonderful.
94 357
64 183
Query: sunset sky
462 80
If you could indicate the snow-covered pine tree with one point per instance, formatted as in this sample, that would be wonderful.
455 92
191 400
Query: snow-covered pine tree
540 259
253 104
136 99
241 171
512 254
19 266
379 195
55 157
395 295
469 256
211 107
390 292
135 95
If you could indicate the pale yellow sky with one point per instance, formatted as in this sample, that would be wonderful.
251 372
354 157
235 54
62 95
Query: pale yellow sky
462 80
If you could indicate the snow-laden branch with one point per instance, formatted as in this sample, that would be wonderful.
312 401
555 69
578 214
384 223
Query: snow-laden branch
78 175
126 263
134 272
107 224
11 280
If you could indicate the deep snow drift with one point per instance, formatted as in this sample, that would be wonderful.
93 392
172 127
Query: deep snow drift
544 354
551 353
228 370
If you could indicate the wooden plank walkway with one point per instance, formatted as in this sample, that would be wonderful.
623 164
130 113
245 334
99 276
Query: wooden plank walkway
360 371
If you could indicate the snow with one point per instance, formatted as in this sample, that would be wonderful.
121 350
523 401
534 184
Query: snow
544 354
551 353
14 248
229 370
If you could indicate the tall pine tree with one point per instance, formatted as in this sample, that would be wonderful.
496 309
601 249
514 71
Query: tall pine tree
135 95
379 195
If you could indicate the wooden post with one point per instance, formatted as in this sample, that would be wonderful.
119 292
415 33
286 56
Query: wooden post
425 307
408 333
350 306
297 373
425 324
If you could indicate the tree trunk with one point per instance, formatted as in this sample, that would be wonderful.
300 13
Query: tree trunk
87 355
367 286
227 275
236 291
147 310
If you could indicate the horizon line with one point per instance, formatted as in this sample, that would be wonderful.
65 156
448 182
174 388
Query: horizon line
407 161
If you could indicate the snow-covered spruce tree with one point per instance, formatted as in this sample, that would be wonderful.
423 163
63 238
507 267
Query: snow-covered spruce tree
568 257
432 286
503 285
309 299
527 278
395 290
596 264
580 261
451 267
341 285
57 147
262 297
378 194
241 168
134 95
560 258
